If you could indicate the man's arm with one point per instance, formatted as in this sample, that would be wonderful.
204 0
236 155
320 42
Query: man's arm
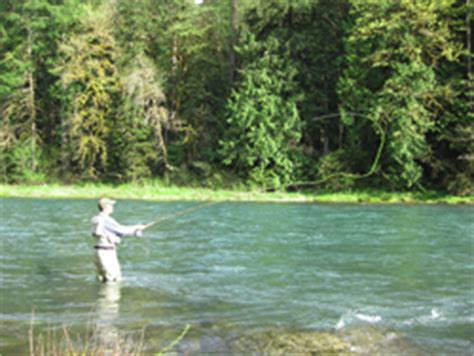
122 230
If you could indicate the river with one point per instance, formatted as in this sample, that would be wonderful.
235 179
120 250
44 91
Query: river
231 267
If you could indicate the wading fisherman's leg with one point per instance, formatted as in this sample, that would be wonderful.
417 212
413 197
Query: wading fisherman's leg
108 267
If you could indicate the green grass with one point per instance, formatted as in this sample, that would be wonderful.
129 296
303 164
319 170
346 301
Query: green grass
97 340
157 191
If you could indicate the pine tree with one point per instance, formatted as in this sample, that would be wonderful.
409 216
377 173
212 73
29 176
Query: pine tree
29 102
197 83
20 141
263 121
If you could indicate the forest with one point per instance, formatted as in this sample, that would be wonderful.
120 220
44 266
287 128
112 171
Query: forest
274 94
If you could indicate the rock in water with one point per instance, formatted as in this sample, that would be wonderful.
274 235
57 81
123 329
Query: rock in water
283 343
362 341
371 340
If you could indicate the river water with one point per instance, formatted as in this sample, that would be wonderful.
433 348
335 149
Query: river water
238 266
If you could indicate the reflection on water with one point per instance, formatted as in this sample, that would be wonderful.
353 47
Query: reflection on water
107 313
233 267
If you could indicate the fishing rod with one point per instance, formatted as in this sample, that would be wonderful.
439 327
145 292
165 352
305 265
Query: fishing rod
179 213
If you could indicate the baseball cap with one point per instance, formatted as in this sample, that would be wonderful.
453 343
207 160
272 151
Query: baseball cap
103 202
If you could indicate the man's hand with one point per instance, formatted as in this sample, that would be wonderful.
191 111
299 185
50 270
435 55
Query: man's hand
139 230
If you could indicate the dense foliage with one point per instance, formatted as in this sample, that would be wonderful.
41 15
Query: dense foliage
268 93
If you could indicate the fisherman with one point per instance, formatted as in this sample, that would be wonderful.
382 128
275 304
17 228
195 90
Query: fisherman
108 233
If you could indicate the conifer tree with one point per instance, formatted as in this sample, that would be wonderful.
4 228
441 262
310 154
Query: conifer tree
263 121
29 30
452 139
393 51
124 90
197 83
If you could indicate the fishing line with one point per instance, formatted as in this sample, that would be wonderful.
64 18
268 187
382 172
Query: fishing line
378 129
179 213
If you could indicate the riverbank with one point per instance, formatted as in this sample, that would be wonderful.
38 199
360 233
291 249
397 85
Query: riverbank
161 192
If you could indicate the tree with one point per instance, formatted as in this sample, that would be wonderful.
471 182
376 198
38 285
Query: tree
393 52
452 138
197 81
29 104
146 118
313 32
90 78
20 139
263 121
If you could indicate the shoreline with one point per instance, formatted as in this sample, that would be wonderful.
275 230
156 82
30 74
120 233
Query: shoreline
159 192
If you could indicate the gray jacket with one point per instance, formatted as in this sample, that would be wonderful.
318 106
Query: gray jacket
108 232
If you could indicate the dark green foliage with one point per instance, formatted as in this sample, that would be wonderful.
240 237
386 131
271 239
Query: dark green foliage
264 124
452 139
393 51
197 73
19 151
29 51
331 93
408 119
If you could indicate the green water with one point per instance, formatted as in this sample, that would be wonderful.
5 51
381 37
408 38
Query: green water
233 267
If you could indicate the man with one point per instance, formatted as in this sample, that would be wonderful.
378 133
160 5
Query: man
108 233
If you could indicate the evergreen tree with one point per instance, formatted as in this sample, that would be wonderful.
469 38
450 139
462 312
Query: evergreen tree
197 82
263 121
23 26
28 100
125 90
393 51
452 139
314 33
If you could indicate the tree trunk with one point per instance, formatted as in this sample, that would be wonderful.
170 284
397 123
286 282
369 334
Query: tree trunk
233 30
469 55
324 141
174 70
341 134
31 101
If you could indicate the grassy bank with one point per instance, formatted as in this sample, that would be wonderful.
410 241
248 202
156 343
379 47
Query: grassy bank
160 192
